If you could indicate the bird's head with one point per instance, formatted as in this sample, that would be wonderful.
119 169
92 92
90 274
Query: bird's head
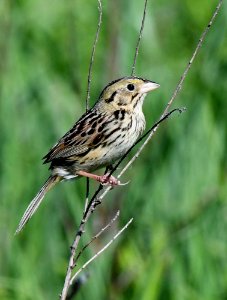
127 92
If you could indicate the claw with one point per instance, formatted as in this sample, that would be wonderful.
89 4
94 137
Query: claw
110 180
125 183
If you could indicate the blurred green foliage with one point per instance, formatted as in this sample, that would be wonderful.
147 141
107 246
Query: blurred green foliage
176 247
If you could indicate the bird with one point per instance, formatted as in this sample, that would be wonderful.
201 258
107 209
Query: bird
100 137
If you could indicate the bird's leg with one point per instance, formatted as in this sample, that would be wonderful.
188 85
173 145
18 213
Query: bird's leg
105 179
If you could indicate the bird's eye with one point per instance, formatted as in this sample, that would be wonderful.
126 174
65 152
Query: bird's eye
130 87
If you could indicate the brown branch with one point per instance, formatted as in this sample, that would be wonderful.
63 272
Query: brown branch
139 39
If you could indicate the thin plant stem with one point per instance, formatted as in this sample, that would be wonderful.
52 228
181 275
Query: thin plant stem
101 251
139 39
93 55
97 235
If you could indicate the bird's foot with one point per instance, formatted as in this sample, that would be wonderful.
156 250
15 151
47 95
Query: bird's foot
108 179
105 179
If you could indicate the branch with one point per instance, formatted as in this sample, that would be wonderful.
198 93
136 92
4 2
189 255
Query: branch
139 39
163 118
201 40
89 81
89 209
76 241
87 194
101 251
93 55
179 86
96 200
97 235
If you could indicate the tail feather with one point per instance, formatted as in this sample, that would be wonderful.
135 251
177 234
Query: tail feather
33 206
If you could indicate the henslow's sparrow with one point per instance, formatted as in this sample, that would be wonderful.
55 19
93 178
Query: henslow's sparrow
100 137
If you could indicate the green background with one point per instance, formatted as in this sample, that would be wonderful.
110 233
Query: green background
176 247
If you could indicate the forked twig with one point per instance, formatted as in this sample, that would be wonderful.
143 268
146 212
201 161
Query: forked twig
79 281
101 251
97 235
139 39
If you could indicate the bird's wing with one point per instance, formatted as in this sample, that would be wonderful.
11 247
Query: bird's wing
84 135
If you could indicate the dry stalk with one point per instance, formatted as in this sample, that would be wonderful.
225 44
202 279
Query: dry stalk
139 39
101 251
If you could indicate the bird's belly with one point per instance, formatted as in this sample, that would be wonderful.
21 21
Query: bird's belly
102 157
114 149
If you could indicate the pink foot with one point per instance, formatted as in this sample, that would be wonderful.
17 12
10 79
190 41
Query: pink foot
108 180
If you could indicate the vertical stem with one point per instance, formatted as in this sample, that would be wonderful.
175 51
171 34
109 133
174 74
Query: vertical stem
93 55
139 39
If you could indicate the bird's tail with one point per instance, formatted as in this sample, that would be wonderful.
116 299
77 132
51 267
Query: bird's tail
33 206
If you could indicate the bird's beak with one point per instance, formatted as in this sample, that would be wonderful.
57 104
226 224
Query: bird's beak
149 86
